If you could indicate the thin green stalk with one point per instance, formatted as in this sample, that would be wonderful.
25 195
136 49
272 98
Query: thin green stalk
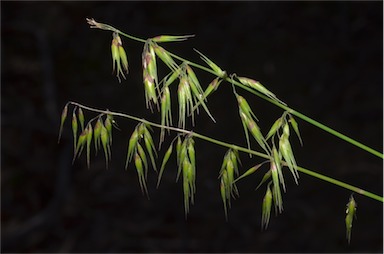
311 121
335 133
131 37
292 111
341 184
107 27
239 148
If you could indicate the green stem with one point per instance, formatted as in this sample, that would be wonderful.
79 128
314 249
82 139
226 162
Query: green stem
131 37
310 120
235 147
335 133
341 184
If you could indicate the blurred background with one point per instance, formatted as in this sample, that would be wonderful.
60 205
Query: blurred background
325 59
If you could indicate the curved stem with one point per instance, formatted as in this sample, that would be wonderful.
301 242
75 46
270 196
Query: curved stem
236 147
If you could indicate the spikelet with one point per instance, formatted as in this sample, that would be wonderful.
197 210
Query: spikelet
266 208
351 214
228 171
150 74
64 114
119 57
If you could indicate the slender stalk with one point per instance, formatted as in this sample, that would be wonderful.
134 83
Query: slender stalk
311 121
102 26
131 37
292 111
341 184
239 148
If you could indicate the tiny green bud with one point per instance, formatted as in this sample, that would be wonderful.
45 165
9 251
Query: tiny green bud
62 120
351 213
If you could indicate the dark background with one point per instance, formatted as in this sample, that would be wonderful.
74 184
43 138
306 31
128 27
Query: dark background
323 58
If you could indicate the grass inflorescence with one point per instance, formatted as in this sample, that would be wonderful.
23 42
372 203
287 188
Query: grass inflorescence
191 97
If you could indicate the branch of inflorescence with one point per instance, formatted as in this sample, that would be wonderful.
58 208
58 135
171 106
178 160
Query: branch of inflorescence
235 147
290 110
303 117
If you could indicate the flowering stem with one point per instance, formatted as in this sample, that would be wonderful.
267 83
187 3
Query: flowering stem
275 102
341 184
311 121
292 111
235 147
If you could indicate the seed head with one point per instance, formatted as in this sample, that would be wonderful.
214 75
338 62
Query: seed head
218 71
351 213
74 128
295 127
228 171
149 74
119 57
108 125
140 173
212 87
64 114
277 198
171 38
89 140
105 143
80 116
97 134
80 143
258 87
165 160
187 165
266 208
165 57
286 151
276 125
166 115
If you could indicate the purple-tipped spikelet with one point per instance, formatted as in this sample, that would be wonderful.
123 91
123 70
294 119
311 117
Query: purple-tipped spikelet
187 167
149 74
119 57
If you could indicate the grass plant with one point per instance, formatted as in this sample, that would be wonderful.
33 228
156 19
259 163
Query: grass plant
274 147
